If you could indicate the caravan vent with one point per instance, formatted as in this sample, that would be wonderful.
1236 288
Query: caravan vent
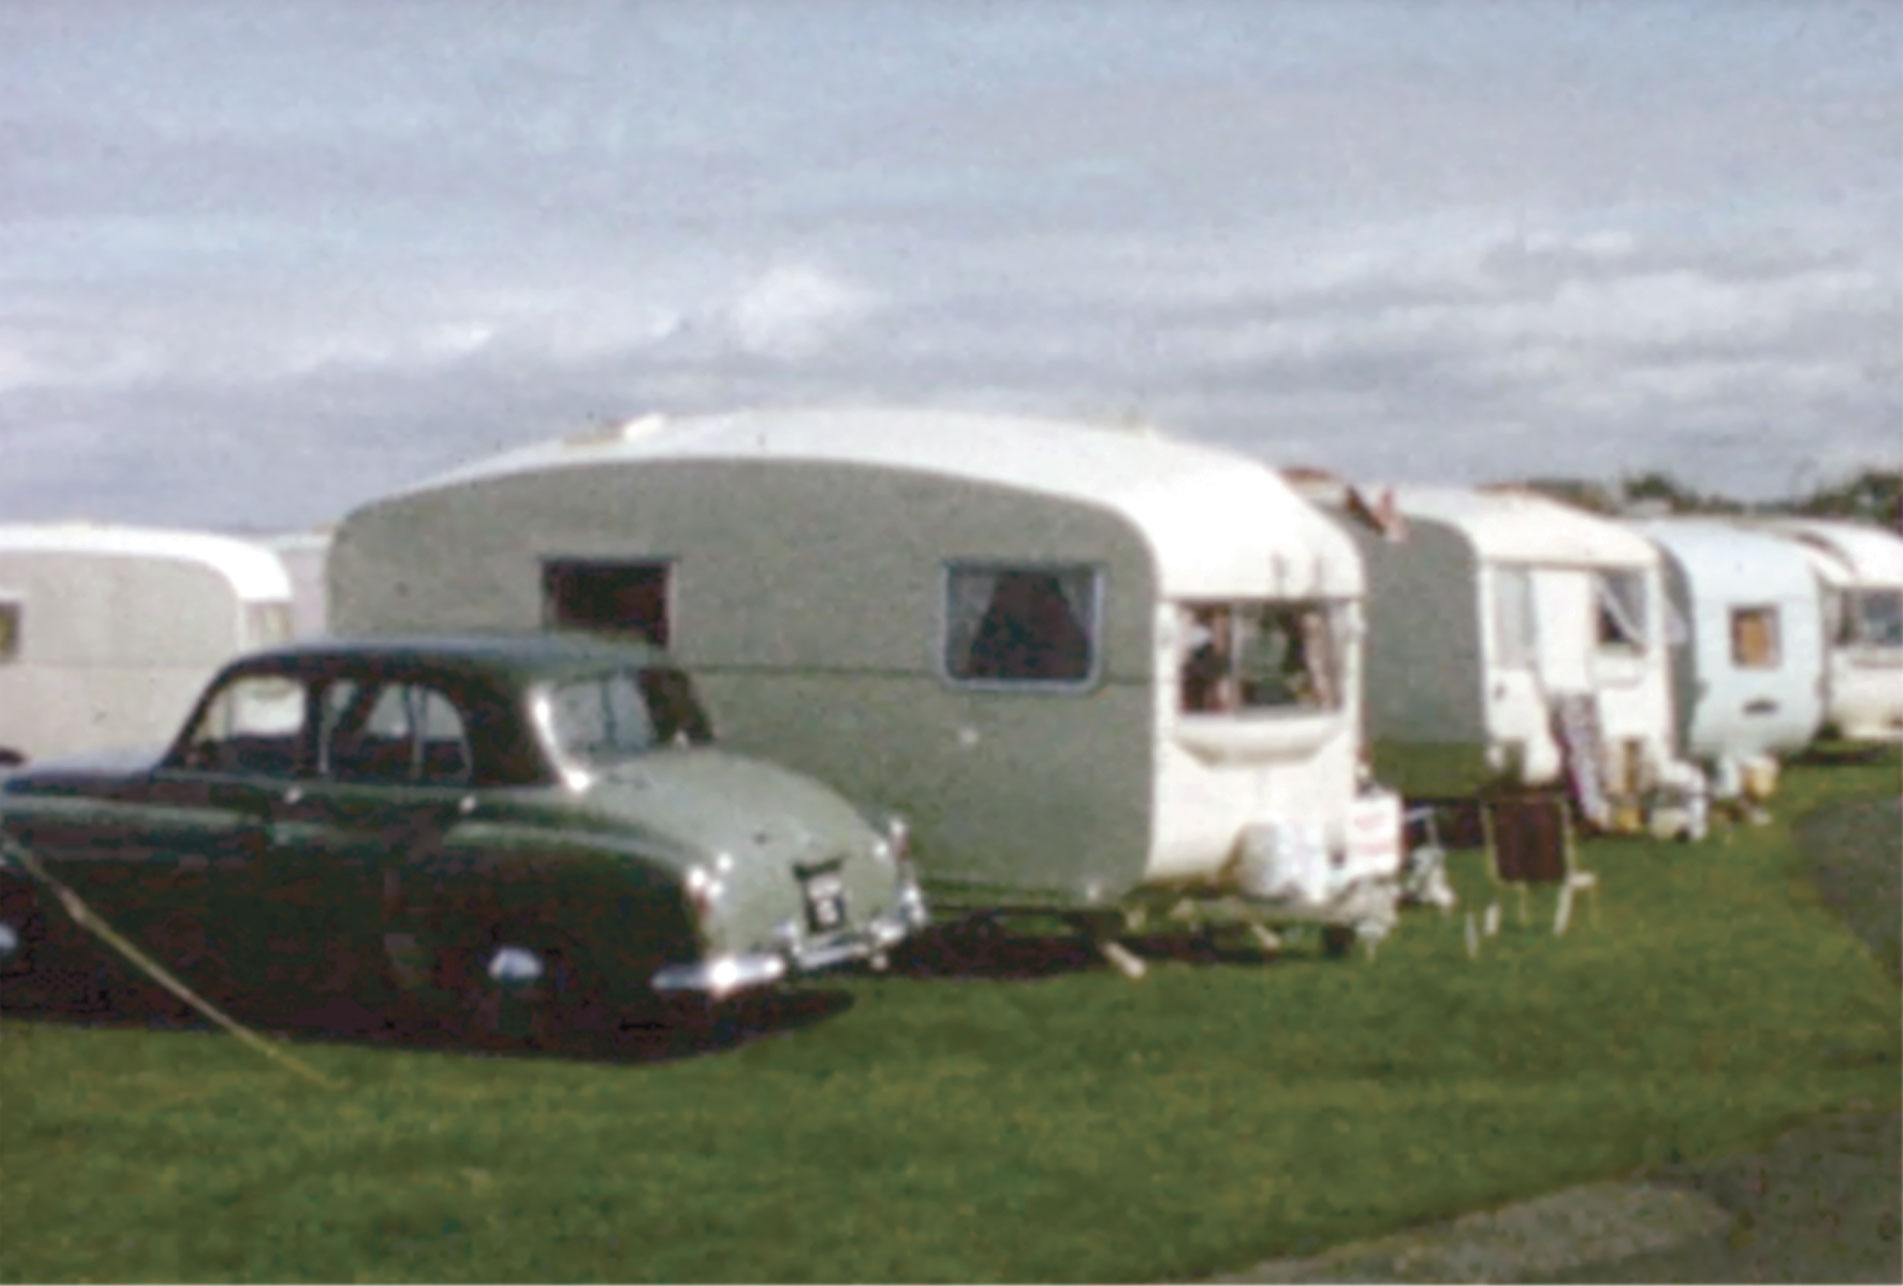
623 431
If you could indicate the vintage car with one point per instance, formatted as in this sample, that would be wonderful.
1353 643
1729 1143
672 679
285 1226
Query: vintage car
518 835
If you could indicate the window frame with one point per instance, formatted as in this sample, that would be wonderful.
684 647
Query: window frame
1096 577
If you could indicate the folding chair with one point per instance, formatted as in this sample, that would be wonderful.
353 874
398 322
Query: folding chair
1530 841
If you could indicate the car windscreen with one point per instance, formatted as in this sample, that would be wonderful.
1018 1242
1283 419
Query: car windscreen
620 713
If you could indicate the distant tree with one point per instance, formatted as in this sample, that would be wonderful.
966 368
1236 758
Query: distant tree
1582 493
1874 495
1661 490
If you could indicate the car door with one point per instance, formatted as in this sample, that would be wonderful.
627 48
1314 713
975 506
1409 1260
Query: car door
171 858
351 844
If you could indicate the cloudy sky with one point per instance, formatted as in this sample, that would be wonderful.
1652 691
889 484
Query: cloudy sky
261 260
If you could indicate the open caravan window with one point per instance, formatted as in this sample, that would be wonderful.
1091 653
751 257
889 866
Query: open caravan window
1255 656
1620 610
629 598
1022 625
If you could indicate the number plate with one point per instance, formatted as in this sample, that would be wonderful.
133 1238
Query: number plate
825 901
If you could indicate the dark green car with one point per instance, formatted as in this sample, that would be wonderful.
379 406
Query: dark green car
530 832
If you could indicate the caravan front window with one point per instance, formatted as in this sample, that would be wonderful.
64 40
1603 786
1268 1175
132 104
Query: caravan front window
1872 618
1256 655
1621 609
1021 624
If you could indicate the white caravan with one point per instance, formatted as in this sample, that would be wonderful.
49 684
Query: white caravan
1094 668
1860 568
1515 638
108 633
303 554
1748 667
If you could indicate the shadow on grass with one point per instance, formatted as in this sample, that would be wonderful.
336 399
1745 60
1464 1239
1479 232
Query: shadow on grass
982 949
679 1034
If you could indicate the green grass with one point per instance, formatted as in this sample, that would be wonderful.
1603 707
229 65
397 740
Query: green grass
1076 1127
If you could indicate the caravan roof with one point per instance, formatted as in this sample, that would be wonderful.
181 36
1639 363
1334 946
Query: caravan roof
253 571
1730 563
1522 527
1857 554
1196 505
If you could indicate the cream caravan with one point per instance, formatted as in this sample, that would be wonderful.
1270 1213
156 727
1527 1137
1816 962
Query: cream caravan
1089 665
1515 638
1748 668
1860 568
107 633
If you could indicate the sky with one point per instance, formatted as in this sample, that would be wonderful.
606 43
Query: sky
262 261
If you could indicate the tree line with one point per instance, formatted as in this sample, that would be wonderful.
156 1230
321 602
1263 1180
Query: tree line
1873 495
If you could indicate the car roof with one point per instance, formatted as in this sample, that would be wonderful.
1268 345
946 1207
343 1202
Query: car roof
509 658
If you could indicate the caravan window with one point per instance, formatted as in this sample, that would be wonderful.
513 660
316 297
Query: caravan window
1021 624
1515 622
9 631
1256 655
1872 618
268 623
1754 638
621 597
1621 609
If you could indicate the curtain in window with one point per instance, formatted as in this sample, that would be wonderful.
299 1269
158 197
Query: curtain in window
1020 624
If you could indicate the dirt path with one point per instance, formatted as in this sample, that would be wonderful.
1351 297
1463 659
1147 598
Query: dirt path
1822 1204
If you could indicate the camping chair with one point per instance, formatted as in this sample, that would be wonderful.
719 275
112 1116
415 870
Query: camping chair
1530 841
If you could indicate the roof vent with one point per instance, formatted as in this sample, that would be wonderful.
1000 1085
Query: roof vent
602 435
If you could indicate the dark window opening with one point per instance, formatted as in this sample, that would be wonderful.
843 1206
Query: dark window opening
623 598
1020 625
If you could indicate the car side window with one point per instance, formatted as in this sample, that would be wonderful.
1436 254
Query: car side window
253 725
392 732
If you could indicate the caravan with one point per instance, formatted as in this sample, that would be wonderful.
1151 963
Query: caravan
107 633
1097 669
1860 570
1748 661
1515 639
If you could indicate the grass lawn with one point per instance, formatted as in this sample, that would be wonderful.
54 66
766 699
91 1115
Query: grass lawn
1070 1126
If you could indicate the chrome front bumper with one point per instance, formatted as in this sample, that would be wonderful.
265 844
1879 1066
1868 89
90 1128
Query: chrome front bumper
794 956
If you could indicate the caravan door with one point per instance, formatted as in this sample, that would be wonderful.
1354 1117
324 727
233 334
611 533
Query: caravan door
1519 623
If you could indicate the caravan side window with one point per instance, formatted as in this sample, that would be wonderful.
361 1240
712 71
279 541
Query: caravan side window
1621 609
1258 655
622 597
10 613
1021 624
1754 638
